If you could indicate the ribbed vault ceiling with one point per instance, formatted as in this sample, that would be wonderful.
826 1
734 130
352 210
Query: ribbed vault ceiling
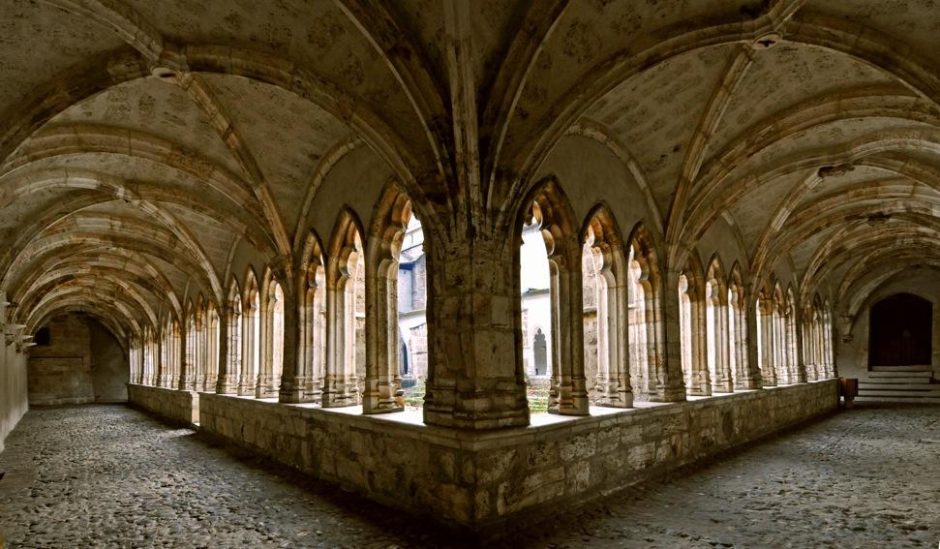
142 142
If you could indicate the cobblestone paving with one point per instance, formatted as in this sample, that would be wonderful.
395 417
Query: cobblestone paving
869 477
108 476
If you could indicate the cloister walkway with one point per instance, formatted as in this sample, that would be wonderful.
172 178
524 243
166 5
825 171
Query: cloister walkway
100 476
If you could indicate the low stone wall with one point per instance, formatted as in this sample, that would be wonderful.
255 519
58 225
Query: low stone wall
177 406
13 400
481 480
568 463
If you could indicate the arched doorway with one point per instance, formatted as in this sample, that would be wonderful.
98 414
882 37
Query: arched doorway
900 331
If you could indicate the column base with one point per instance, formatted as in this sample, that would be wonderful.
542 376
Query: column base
380 406
226 385
339 399
572 406
669 394
292 391
610 397
748 384
382 398
723 387
476 408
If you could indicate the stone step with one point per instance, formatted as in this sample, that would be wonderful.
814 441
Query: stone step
918 368
862 386
895 381
899 400
890 393
889 375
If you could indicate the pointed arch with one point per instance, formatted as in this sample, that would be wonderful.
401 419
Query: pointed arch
605 264
251 336
691 289
795 369
232 309
779 336
383 391
212 328
648 373
716 327
829 362
311 289
737 329
812 332
272 336
200 343
189 343
345 283
548 206
147 358
764 311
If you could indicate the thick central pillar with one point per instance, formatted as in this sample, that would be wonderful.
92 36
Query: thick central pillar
667 366
476 378
293 380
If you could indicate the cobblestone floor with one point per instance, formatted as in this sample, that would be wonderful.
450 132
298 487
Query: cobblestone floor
108 476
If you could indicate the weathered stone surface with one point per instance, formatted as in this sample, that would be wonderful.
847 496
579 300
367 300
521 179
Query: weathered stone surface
108 476
177 406
73 479
13 396
82 362
533 471
719 184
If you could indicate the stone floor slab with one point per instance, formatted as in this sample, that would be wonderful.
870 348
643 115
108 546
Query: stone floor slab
109 476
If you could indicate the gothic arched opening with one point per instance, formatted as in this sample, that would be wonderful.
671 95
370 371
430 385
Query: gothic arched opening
396 293
411 300
550 212
536 307
345 367
900 331
606 312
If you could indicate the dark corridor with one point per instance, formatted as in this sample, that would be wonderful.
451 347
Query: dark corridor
901 327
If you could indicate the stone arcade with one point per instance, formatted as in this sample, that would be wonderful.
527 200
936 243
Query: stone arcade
728 204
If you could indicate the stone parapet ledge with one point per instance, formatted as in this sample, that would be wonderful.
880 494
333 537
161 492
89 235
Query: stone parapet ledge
482 480
180 407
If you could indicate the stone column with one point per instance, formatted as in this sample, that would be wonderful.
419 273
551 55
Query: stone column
613 380
724 380
568 395
798 344
768 371
160 374
264 379
340 386
211 359
227 381
811 351
247 380
293 381
475 370
382 381
832 368
200 361
315 337
751 370
186 380
666 340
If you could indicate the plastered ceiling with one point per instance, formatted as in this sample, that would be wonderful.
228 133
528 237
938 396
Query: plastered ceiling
142 142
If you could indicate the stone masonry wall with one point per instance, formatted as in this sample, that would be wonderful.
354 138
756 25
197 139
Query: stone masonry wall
400 465
83 363
581 460
13 400
176 406
480 480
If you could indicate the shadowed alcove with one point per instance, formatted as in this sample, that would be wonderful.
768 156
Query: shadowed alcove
901 325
